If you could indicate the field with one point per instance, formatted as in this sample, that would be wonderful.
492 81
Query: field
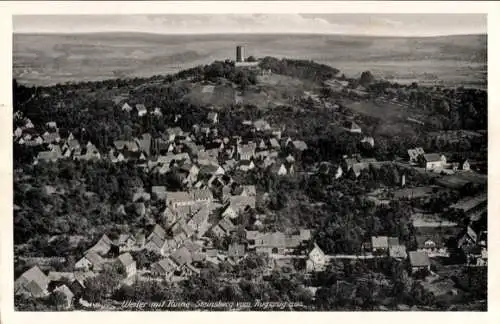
458 180
49 59
205 95
393 117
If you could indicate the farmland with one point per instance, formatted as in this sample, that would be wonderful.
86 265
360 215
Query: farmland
49 59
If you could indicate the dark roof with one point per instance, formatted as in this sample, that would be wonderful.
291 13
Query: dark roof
166 265
102 246
226 225
432 157
158 231
34 288
82 276
419 259
467 204
182 256
36 275
192 246
392 241
66 291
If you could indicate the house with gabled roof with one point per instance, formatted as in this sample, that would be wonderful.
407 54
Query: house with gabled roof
164 268
157 231
316 260
128 264
90 261
201 195
352 127
18 132
223 228
433 161
246 165
213 117
181 256
368 140
357 168
382 244
236 252
32 282
154 243
103 246
469 238
274 242
78 285
178 198
209 170
141 110
122 145
144 142
298 145
127 107
246 152
465 165
273 143
173 133
126 242
419 260
63 289
199 220
47 156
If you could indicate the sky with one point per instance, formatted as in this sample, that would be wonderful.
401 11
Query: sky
346 24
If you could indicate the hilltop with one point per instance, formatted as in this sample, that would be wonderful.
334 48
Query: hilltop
49 59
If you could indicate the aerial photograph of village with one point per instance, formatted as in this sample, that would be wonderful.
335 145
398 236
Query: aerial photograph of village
294 162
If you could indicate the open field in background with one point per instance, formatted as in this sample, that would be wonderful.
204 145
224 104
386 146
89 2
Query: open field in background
49 59
392 117
219 95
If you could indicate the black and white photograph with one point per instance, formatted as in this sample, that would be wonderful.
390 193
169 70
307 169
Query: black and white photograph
260 162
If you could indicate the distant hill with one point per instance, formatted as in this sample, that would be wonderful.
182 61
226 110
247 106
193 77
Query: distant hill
53 58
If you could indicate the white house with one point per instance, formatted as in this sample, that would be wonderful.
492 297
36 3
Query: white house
141 110
317 259
434 161
128 264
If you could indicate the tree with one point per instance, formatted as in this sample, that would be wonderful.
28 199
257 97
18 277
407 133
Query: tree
366 78
58 300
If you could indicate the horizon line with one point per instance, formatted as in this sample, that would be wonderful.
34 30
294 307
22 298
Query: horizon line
34 33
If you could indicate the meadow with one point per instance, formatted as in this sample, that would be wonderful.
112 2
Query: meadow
50 59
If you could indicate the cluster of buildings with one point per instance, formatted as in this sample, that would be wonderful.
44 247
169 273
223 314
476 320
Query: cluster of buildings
206 208
434 161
